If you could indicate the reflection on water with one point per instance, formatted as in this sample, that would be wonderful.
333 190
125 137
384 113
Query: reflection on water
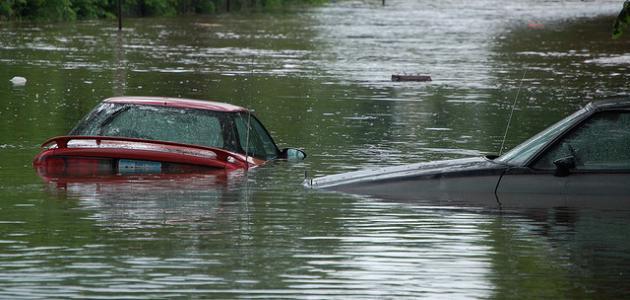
137 201
234 241
319 79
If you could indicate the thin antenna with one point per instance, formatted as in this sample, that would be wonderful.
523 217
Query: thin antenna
507 128
249 115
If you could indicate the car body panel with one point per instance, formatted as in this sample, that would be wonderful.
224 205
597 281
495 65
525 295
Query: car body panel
524 187
138 149
203 179
608 189
449 182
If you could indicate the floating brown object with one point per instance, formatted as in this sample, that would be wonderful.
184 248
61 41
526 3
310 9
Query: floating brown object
411 78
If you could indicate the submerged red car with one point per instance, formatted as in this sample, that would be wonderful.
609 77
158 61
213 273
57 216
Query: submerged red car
128 135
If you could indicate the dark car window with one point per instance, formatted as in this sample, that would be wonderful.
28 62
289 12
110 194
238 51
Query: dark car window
524 152
256 141
600 143
188 126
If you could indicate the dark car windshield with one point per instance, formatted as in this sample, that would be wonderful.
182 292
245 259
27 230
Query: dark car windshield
523 153
180 125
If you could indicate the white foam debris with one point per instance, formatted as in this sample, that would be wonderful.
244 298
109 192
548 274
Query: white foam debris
18 80
611 60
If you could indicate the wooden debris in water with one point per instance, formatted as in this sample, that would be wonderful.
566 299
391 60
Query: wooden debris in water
418 78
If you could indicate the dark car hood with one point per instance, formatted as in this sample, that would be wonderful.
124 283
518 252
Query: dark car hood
464 166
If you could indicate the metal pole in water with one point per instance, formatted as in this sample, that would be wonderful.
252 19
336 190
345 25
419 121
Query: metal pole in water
119 8
383 2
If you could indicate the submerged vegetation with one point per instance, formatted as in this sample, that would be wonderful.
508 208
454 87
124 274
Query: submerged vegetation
67 10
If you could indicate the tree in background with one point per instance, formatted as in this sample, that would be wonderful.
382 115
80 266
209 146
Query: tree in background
623 19
67 10
49 10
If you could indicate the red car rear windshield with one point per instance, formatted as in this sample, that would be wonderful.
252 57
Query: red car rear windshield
180 125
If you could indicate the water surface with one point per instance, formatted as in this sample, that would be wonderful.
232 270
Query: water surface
319 79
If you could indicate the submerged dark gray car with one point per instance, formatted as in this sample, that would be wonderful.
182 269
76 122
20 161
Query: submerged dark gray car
583 160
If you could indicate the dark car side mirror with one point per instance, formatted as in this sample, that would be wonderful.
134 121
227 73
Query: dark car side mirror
564 166
292 154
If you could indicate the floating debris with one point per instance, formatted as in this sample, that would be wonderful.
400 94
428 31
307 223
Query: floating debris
411 78
17 80
535 25
207 25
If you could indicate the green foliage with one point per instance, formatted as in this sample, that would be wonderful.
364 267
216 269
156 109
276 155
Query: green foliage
6 9
196 6
158 7
205 7
273 4
93 9
51 10
149 8
37 9
623 20
68 10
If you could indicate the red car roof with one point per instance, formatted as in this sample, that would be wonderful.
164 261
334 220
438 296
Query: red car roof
178 102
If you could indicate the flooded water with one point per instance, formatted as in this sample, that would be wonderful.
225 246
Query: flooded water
319 78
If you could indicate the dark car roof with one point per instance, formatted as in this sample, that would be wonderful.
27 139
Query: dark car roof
178 102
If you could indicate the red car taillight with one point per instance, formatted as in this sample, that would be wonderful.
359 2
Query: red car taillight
54 165
74 166
88 166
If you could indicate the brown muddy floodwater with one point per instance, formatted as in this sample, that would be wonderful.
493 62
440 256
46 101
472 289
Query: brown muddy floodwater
319 79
